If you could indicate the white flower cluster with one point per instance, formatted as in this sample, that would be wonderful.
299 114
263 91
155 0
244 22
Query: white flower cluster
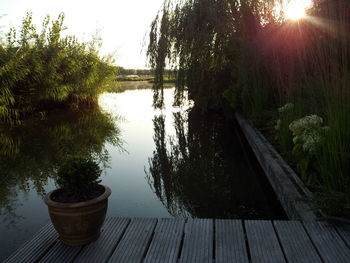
286 108
308 132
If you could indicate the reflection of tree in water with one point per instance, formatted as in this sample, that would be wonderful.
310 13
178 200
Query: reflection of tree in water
163 178
202 171
31 153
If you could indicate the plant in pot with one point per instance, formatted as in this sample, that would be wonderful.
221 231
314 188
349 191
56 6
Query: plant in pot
78 208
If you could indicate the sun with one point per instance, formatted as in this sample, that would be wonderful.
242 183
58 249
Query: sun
295 12
296 9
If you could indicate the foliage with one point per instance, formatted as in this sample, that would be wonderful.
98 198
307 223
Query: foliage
78 174
41 70
315 80
308 133
247 53
286 116
308 139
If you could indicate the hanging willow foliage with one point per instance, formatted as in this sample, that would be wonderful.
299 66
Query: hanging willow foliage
202 40
247 52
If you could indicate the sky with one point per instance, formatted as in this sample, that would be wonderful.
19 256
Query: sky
122 24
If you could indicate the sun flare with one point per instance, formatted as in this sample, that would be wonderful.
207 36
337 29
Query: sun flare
295 12
296 9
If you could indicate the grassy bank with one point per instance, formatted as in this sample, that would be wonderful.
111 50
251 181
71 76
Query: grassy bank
43 70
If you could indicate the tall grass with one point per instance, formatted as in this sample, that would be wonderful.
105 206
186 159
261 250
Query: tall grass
307 63
39 70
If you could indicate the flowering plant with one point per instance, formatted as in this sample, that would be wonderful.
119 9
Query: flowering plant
308 133
308 137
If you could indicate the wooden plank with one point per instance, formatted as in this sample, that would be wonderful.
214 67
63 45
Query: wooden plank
165 245
133 245
288 187
344 231
124 242
328 242
230 242
35 248
296 243
101 250
61 253
198 241
262 242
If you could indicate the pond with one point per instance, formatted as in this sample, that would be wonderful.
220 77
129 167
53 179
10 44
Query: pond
174 162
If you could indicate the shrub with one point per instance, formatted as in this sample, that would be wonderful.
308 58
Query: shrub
308 138
41 70
78 174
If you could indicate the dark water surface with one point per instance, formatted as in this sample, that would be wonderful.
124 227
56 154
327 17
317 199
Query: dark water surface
170 163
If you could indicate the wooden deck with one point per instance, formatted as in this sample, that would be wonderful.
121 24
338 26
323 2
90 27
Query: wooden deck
150 240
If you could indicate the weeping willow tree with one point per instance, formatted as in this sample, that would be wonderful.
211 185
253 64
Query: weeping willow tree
202 40
247 52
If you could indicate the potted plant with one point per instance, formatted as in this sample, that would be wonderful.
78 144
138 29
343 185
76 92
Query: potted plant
78 208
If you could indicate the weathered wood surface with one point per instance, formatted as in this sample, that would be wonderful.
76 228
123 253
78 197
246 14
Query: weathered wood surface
102 249
230 245
133 245
150 240
263 242
61 253
198 241
328 242
285 182
36 248
296 244
166 243
344 231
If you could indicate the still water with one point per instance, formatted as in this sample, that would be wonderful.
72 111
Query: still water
173 162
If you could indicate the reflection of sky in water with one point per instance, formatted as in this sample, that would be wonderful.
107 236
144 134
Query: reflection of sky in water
135 109
131 193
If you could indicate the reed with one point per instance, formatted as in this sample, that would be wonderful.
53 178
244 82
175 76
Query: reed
308 65
40 70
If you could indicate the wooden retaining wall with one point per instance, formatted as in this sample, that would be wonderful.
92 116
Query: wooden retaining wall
290 190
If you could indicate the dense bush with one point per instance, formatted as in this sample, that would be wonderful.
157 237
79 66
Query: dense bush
39 70
78 174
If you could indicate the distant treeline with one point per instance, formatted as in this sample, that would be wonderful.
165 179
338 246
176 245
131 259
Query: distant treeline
42 70
141 72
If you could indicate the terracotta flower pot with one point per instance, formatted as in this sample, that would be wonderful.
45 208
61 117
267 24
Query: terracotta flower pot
78 223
